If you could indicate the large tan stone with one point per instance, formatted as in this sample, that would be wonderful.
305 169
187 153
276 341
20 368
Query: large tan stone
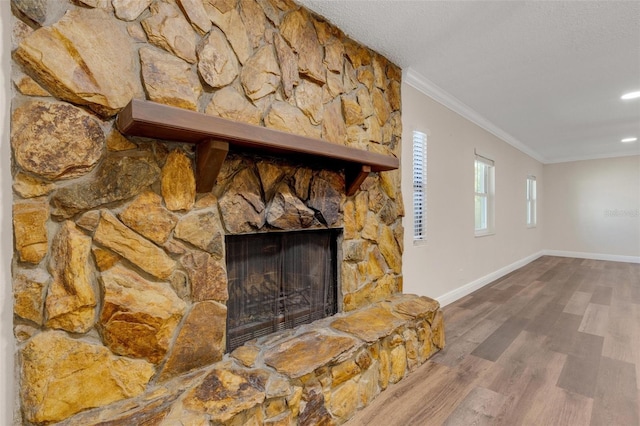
178 181
28 86
309 100
334 86
365 101
138 317
225 393
208 277
63 58
380 106
260 75
129 10
390 249
28 294
334 55
200 341
169 29
197 15
71 299
114 235
393 94
229 103
358 55
344 400
55 140
290 119
415 307
298 30
302 354
369 324
344 371
217 64
28 186
30 229
117 142
254 20
365 76
333 126
286 211
437 329
398 357
242 207
62 376
288 65
203 229
234 29
117 178
148 217
351 110
169 80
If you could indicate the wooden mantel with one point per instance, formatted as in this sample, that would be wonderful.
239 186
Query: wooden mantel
214 137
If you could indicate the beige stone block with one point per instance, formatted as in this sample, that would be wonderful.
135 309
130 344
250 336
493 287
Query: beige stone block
147 216
293 401
28 86
288 118
30 229
390 250
298 30
56 369
169 80
368 385
411 345
308 98
71 300
28 186
333 125
255 22
196 14
274 407
398 357
200 340
368 324
168 29
28 294
178 182
343 402
112 234
260 75
229 103
202 228
246 354
62 57
344 371
138 317
437 328
384 359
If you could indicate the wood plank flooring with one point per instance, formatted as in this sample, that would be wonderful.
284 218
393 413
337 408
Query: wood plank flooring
556 342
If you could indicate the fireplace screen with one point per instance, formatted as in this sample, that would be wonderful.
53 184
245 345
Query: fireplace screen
279 280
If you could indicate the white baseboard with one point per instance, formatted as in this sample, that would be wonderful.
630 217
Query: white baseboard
594 256
469 288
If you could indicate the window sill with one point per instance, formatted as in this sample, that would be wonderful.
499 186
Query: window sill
531 226
484 234
417 243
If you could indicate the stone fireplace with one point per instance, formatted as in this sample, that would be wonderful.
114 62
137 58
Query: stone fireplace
121 273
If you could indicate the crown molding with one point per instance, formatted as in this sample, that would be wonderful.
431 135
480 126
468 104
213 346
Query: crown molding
429 88
557 160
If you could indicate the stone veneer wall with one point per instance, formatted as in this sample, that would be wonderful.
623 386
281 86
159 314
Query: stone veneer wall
118 274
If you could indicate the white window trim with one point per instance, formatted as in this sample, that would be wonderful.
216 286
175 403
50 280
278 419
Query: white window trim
419 184
532 202
490 196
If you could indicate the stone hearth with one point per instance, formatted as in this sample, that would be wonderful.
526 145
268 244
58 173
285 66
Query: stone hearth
119 273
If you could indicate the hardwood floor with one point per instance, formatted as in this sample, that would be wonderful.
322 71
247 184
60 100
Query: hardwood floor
556 342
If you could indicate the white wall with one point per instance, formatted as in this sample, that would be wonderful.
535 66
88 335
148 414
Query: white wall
592 208
6 233
453 261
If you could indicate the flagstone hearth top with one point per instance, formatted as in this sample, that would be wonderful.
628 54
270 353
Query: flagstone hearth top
214 137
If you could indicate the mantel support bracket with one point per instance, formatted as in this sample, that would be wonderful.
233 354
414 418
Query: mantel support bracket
210 155
354 176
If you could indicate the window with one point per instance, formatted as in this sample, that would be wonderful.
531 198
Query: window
531 202
484 195
419 186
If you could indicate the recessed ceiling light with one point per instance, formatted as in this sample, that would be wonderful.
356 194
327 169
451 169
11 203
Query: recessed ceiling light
630 95
625 140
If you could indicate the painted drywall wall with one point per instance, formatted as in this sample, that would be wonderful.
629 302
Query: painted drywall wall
452 258
592 208
6 234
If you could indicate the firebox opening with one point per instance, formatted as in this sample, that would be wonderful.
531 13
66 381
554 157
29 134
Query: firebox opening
279 280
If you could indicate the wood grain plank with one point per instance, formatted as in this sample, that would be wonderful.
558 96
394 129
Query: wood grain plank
480 407
616 396
577 303
602 295
580 375
494 345
595 320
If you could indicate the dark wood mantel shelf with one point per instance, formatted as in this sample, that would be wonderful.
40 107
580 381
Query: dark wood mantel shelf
214 137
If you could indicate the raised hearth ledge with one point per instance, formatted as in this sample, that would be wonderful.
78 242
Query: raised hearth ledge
214 135
319 373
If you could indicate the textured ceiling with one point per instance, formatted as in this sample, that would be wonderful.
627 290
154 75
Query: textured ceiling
546 76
